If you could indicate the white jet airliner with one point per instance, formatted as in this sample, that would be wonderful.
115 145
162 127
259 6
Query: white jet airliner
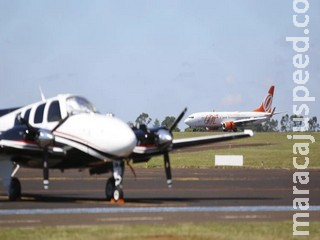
233 120
67 132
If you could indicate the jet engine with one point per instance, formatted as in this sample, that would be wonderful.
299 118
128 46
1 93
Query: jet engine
227 126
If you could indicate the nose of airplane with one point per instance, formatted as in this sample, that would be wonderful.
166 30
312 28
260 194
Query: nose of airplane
121 140
188 121
105 134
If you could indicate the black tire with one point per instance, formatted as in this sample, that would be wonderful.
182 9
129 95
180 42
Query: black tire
15 189
110 187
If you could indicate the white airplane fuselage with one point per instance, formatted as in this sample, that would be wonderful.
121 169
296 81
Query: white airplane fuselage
232 120
104 137
216 119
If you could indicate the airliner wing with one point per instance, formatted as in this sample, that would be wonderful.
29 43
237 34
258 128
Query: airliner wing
242 122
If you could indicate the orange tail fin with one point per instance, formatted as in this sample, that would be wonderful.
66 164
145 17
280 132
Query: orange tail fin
266 104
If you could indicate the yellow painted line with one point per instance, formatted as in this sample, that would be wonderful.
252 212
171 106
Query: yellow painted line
130 219
187 179
30 221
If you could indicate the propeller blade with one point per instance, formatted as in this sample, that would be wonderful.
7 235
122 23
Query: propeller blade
62 121
45 170
174 125
167 168
30 128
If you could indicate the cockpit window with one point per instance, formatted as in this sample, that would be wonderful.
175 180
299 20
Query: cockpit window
76 105
54 113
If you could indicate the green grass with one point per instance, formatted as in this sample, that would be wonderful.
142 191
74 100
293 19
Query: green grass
269 150
186 231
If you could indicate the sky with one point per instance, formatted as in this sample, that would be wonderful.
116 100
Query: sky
157 57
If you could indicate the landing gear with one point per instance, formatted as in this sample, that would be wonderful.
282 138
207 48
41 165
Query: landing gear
114 190
14 189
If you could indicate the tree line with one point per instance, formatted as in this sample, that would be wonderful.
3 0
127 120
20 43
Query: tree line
286 124
145 119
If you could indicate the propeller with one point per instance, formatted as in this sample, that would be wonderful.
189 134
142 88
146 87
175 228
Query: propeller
44 138
167 168
164 140
176 122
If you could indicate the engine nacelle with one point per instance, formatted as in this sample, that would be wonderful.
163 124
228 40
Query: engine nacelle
44 138
163 138
227 126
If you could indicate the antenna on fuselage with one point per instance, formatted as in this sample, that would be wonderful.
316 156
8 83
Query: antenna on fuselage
43 98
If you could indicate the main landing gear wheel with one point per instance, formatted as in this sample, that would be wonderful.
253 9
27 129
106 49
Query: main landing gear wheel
112 192
14 189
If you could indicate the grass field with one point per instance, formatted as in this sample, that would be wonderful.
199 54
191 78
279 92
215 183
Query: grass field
267 150
186 231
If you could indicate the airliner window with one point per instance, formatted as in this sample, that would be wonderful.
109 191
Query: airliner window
54 113
76 105
38 117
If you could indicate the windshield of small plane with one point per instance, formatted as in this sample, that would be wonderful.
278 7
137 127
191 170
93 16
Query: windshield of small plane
76 105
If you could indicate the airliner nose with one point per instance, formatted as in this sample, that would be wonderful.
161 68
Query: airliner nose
188 121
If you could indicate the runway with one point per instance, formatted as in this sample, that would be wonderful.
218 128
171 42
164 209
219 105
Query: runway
198 195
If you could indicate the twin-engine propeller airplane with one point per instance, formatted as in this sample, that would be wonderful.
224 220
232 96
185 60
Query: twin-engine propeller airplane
232 120
67 132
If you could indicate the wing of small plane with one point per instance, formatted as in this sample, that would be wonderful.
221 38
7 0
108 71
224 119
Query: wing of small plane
188 142
150 150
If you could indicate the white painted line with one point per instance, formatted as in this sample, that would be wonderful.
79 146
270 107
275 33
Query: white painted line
245 217
229 160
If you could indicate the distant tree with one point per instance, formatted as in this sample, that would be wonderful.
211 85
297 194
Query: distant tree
143 118
313 124
130 124
188 129
257 127
271 126
285 125
156 123
168 122
295 123
197 129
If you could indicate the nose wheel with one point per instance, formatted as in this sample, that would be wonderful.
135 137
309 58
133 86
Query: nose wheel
114 190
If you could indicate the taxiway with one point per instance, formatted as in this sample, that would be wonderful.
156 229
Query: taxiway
75 198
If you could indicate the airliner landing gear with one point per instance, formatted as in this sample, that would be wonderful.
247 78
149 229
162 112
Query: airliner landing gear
14 192
114 190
